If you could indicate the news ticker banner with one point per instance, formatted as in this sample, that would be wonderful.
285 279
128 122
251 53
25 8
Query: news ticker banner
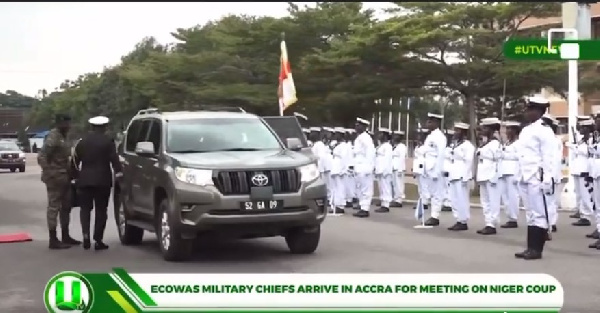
119 291
537 49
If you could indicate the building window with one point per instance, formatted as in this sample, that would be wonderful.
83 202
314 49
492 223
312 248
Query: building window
596 28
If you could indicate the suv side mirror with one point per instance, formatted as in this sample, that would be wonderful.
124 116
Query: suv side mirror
294 144
144 148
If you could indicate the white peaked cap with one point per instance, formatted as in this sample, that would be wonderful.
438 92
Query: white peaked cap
384 130
315 129
328 129
511 123
583 117
340 130
350 130
363 121
538 100
422 130
450 131
305 130
490 121
302 116
586 123
99 120
432 115
461 125
398 132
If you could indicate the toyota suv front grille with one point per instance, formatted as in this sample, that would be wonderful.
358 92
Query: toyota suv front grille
240 182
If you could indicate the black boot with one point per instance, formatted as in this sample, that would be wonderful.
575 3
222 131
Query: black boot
582 222
99 245
595 245
86 242
510 224
349 204
488 230
593 235
396 204
540 237
554 229
432 222
382 210
361 213
521 255
66 238
459 227
575 215
337 210
54 243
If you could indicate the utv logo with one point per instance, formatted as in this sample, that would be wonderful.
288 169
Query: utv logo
68 292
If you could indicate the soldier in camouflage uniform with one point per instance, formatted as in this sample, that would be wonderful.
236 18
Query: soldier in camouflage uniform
54 159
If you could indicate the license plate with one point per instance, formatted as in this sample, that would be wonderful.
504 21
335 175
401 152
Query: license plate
262 205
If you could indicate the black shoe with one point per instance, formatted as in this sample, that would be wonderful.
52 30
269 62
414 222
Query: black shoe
446 209
361 213
532 255
382 210
554 229
595 245
395 204
575 215
55 244
521 255
349 204
432 222
67 239
488 230
593 235
337 211
510 224
354 200
425 206
459 227
582 222
99 245
86 244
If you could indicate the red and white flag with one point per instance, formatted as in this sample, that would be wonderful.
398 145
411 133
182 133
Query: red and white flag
287 89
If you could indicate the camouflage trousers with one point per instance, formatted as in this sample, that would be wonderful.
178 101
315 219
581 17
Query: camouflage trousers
59 204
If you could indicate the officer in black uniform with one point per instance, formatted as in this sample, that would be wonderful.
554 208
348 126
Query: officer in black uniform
94 156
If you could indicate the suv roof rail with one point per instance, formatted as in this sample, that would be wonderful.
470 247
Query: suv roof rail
221 108
148 111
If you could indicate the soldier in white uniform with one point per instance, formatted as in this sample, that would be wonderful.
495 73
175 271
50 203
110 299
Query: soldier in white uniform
435 146
338 172
418 168
488 157
595 173
384 169
537 146
363 167
322 152
447 203
581 173
509 168
573 142
459 175
350 182
553 200
399 167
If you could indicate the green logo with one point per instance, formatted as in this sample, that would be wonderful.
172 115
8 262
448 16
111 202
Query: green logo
68 292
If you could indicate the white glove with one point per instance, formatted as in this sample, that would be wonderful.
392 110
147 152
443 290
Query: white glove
119 175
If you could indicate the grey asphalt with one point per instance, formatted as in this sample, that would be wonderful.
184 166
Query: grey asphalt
383 243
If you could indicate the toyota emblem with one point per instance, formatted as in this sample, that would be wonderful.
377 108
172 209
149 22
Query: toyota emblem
260 180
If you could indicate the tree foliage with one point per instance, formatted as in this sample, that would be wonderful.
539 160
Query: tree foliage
342 58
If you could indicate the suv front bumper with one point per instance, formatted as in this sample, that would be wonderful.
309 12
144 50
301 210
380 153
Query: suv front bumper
206 209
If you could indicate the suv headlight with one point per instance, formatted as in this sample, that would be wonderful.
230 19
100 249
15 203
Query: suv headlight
308 172
21 155
194 176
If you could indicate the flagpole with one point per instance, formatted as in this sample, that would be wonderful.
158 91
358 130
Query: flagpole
407 121
390 114
399 114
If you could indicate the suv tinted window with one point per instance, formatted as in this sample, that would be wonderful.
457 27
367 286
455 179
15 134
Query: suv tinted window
132 135
155 134
218 134
286 127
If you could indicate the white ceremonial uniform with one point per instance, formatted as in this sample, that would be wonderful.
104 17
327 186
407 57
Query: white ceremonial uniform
338 173
418 169
554 199
384 172
459 174
446 170
537 147
487 178
595 173
435 145
323 153
581 171
399 167
349 181
364 165
508 184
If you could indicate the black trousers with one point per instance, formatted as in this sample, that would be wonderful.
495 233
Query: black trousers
90 198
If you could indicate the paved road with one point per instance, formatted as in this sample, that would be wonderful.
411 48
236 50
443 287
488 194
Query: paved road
383 243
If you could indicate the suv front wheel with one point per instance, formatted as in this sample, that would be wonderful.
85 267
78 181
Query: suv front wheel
303 240
173 247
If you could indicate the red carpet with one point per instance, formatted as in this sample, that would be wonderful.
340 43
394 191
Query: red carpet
17 237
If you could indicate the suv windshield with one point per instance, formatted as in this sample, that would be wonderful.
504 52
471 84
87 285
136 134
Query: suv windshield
219 134
9 146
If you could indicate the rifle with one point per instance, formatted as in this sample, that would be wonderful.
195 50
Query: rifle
549 230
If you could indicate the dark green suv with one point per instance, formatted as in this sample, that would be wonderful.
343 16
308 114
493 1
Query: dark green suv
190 174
